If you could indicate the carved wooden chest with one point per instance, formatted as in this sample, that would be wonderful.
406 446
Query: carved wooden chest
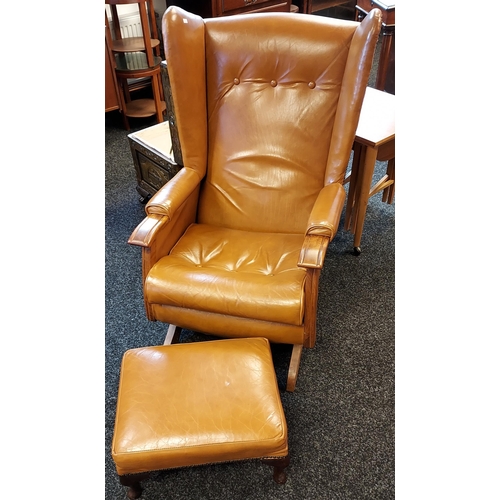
153 157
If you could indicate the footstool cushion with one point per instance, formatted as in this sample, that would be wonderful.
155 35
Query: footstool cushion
197 403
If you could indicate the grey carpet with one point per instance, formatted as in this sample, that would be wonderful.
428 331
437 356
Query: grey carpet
341 416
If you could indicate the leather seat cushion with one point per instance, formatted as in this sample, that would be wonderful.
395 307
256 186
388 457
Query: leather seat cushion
231 272
197 403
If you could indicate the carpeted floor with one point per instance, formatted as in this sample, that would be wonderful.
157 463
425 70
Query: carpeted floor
341 417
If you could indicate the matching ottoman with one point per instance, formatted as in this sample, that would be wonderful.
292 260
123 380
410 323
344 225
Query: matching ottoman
198 403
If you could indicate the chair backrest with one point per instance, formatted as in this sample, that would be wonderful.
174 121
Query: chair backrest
267 107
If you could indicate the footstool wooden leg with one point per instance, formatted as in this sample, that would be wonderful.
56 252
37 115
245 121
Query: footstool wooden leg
133 481
279 465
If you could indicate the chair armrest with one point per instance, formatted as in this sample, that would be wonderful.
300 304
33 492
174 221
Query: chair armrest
173 194
312 254
165 206
144 233
322 225
325 215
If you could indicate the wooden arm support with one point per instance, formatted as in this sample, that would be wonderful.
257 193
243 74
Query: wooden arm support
312 254
145 232
322 227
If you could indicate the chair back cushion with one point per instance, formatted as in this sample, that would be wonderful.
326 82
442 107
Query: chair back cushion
281 113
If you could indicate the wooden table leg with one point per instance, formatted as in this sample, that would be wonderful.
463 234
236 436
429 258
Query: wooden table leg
349 222
388 193
363 193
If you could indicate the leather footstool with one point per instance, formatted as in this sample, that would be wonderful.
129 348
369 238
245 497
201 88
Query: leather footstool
198 403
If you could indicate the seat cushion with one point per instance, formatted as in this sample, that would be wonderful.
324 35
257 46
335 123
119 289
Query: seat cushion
197 403
231 272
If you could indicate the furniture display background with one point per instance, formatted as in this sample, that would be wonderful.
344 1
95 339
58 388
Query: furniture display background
313 6
111 91
218 8
348 452
136 58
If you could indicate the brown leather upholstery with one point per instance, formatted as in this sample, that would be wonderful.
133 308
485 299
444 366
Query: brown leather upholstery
267 107
197 403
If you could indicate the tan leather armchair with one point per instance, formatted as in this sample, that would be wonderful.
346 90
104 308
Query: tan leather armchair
266 107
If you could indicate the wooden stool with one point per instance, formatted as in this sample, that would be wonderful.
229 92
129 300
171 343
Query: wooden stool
198 403
137 58
375 140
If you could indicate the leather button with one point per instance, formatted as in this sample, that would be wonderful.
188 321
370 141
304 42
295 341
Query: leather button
274 83
236 81
311 85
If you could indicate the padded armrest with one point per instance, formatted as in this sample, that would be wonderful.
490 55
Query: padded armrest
163 206
173 194
322 225
325 215
143 234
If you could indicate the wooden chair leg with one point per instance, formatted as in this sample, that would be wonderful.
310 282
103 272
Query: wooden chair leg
279 465
133 481
293 369
156 86
173 334
123 102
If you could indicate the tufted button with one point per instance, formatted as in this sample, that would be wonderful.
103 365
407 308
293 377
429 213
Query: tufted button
311 85
236 81
274 83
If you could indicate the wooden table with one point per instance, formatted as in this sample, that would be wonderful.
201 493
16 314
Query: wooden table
375 140
385 74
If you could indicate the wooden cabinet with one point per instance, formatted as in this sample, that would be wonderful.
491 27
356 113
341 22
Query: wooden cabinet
152 152
388 9
231 7
311 6
219 8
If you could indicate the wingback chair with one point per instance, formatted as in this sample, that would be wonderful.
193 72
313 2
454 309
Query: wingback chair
266 108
